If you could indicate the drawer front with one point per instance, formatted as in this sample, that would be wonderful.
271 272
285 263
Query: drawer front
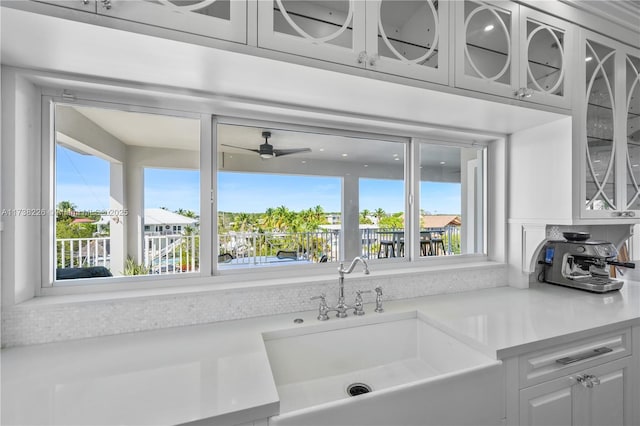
550 363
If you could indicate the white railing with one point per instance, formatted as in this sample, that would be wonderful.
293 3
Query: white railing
169 254
82 252
260 248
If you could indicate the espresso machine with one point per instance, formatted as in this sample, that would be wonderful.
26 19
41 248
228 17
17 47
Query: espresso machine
580 263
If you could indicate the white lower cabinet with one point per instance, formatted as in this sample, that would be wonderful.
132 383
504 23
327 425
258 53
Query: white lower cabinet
597 396
590 381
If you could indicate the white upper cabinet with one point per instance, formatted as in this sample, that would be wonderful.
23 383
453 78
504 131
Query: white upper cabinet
609 120
223 19
407 38
328 30
510 50
632 127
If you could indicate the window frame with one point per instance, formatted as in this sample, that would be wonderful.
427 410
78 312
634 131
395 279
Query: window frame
209 273
48 194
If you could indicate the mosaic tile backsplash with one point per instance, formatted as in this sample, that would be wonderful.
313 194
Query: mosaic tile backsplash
26 325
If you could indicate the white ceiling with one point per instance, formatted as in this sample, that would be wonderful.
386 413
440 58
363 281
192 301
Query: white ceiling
163 131
147 130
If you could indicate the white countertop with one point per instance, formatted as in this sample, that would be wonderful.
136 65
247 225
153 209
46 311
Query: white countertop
221 370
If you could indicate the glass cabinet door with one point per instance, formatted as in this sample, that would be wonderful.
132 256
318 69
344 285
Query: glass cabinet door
224 19
331 30
409 38
632 128
545 45
486 46
600 130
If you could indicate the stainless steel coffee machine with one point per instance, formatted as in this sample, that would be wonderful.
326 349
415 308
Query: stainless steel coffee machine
579 263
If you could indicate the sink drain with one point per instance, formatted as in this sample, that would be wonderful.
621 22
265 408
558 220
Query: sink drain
356 389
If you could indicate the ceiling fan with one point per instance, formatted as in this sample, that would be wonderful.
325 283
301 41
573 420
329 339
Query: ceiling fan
267 151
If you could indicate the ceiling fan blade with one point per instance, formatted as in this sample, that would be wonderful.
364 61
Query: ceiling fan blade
239 147
281 152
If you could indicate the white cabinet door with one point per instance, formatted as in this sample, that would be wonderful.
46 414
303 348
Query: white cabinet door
509 50
547 47
609 120
605 399
609 401
86 5
405 38
486 46
223 19
328 30
409 38
548 404
631 129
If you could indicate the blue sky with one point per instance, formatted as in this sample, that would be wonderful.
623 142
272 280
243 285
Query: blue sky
84 180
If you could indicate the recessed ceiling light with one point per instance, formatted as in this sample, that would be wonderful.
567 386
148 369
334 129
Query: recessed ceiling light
395 155
304 161
321 149
597 161
634 165
588 58
489 28
397 159
344 155
443 162
366 165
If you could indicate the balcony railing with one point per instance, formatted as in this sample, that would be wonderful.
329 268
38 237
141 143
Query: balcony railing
169 254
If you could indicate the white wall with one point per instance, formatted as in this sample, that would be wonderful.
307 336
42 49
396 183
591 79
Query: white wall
20 146
540 191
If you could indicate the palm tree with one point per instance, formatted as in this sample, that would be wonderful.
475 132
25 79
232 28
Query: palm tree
241 222
319 214
364 216
379 214
64 208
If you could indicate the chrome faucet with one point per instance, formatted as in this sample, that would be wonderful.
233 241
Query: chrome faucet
341 307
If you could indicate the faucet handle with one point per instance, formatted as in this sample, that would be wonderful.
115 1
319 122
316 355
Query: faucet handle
323 309
379 300
321 296
358 306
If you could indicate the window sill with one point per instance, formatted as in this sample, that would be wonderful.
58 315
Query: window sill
79 294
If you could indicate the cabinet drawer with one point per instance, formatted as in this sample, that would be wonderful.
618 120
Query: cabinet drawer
546 364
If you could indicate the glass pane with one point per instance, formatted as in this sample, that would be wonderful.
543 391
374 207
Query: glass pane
451 200
544 58
290 209
488 38
322 21
382 215
408 31
633 132
103 227
600 194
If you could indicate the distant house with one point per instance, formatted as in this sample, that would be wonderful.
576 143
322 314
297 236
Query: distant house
165 222
159 222
333 218
440 221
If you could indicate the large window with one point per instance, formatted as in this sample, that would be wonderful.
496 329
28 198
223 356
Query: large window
126 193
127 189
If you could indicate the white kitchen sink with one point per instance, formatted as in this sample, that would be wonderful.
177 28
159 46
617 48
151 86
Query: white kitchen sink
400 357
